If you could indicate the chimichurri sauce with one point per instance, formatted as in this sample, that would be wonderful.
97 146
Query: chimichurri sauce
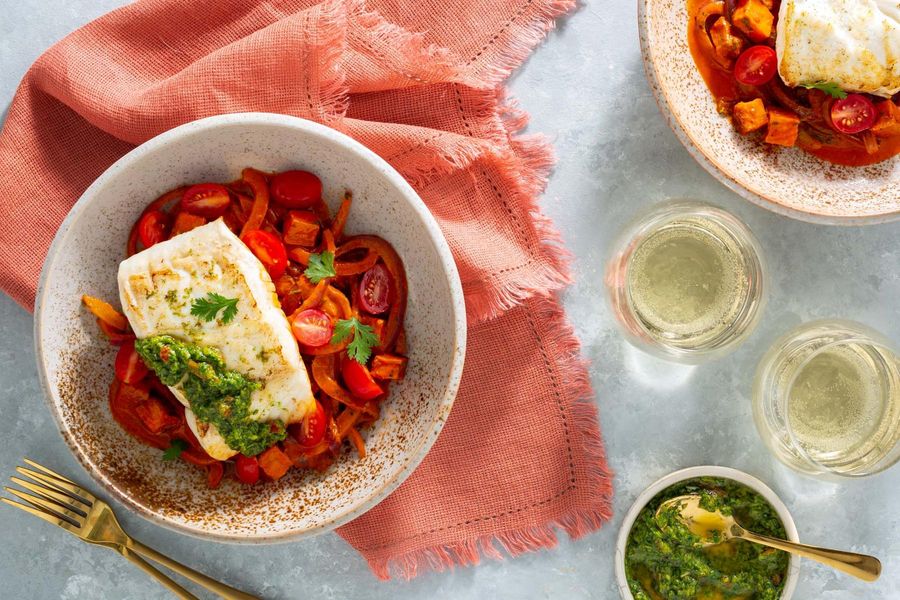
217 395
664 560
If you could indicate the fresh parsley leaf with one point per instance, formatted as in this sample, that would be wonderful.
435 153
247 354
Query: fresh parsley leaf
364 338
829 87
207 308
321 266
175 450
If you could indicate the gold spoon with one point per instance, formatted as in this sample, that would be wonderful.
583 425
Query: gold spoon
705 524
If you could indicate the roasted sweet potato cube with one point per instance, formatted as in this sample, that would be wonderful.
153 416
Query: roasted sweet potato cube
783 127
888 123
755 19
274 463
388 366
728 45
750 116
301 228
185 221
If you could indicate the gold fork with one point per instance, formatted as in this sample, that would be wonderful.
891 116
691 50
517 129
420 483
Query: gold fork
60 501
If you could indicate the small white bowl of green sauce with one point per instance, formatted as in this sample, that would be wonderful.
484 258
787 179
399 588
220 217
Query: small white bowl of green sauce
775 574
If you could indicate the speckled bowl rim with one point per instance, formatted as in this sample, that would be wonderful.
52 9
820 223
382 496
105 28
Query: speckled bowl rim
413 201
793 572
709 163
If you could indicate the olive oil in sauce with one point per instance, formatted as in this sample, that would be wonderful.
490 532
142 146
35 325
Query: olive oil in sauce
688 282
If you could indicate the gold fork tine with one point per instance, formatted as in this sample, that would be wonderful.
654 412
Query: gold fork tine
48 493
72 491
78 490
41 467
39 513
48 506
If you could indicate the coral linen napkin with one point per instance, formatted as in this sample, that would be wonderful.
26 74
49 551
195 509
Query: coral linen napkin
521 453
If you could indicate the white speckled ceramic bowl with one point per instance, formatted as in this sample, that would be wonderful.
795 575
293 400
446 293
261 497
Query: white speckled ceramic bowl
75 362
787 181
671 479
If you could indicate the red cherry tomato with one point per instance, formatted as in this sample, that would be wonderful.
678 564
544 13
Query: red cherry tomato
312 429
209 200
376 290
269 250
129 366
359 380
853 114
153 228
247 469
312 327
756 65
296 189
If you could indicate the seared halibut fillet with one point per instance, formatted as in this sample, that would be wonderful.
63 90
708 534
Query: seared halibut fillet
157 287
853 43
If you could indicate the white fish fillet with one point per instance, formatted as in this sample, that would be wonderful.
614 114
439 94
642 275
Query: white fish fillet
157 287
853 43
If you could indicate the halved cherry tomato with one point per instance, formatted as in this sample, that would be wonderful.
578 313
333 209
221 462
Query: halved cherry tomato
129 366
376 290
312 327
311 430
301 228
247 469
269 250
209 200
296 189
756 65
153 228
359 380
853 114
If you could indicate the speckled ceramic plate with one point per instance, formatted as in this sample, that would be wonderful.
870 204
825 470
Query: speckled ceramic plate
75 362
786 181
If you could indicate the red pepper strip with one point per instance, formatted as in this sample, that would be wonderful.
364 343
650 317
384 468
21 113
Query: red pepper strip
357 441
105 312
115 336
395 267
298 254
257 181
328 239
239 186
336 304
340 219
334 298
214 473
356 267
158 204
323 373
131 246
345 421
315 298
321 210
